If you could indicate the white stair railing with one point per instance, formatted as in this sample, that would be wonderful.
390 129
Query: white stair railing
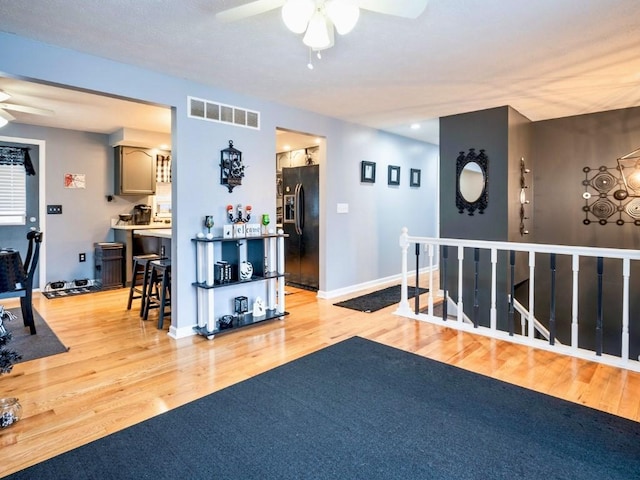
438 250
524 320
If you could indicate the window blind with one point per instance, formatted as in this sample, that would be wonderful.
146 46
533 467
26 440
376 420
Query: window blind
13 194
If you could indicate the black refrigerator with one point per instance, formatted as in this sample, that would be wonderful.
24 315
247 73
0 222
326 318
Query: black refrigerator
301 221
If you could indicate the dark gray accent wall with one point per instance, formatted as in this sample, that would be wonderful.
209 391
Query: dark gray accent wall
486 129
562 148
519 147
504 135
556 151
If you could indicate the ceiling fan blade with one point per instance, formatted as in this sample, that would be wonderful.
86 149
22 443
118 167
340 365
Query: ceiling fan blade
248 10
6 115
398 8
26 109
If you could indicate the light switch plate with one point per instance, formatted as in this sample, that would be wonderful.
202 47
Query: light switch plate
342 208
54 209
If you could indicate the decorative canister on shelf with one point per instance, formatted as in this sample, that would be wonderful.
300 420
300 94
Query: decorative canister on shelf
10 411
246 270
241 305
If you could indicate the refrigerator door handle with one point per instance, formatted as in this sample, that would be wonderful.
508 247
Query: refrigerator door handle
301 208
299 202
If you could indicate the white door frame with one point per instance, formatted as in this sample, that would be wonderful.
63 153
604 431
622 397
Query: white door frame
42 211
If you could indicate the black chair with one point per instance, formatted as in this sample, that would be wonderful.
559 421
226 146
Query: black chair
141 272
26 292
159 290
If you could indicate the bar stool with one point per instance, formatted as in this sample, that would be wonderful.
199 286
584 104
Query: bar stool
159 289
140 271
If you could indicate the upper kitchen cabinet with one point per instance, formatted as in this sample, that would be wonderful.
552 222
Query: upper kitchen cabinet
135 170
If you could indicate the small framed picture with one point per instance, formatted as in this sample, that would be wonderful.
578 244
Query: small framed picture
367 172
393 177
74 180
414 178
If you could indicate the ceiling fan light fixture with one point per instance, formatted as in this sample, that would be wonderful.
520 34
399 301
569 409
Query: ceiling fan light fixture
296 14
5 118
319 32
4 96
343 14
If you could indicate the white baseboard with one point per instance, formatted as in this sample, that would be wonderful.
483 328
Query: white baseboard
182 332
378 283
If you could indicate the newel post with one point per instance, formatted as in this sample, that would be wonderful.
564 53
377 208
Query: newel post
403 307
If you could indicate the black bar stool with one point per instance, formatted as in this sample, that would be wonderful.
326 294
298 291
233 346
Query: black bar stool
140 273
159 289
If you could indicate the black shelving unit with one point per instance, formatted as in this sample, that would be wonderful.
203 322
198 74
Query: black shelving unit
266 255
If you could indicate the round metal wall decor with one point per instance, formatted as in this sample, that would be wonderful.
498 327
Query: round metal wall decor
606 198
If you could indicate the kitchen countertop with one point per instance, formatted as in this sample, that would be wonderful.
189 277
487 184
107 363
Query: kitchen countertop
154 232
152 225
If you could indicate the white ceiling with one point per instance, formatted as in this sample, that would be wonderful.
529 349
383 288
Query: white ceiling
545 58
77 110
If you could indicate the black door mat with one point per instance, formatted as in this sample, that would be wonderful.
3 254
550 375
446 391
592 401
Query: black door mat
372 302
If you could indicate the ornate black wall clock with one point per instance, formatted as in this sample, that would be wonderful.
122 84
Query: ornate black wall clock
231 167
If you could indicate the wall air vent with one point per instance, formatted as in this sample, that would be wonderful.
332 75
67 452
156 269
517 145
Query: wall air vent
219 112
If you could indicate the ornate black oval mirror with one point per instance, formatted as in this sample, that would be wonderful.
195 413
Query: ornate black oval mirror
471 181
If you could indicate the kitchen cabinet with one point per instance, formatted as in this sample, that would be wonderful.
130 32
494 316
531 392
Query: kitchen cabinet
219 293
135 170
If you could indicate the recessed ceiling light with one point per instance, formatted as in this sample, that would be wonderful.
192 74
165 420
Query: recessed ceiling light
415 126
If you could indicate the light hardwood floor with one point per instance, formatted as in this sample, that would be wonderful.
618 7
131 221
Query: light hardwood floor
121 370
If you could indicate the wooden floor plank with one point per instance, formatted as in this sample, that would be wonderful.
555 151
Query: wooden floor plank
121 370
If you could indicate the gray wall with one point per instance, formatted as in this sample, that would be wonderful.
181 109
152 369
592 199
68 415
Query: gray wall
562 148
86 212
355 248
501 132
488 130
556 151
361 245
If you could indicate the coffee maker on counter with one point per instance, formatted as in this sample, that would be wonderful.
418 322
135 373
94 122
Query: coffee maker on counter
142 214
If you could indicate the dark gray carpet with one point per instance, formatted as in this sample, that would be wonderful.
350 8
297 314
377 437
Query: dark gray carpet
374 301
42 344
362 410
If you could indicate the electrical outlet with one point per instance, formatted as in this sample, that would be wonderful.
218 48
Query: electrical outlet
54 209
82 257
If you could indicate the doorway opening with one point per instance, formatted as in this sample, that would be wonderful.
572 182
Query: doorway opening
298 159
83 142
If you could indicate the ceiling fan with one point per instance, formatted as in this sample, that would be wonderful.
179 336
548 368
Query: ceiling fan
318 19
6 117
